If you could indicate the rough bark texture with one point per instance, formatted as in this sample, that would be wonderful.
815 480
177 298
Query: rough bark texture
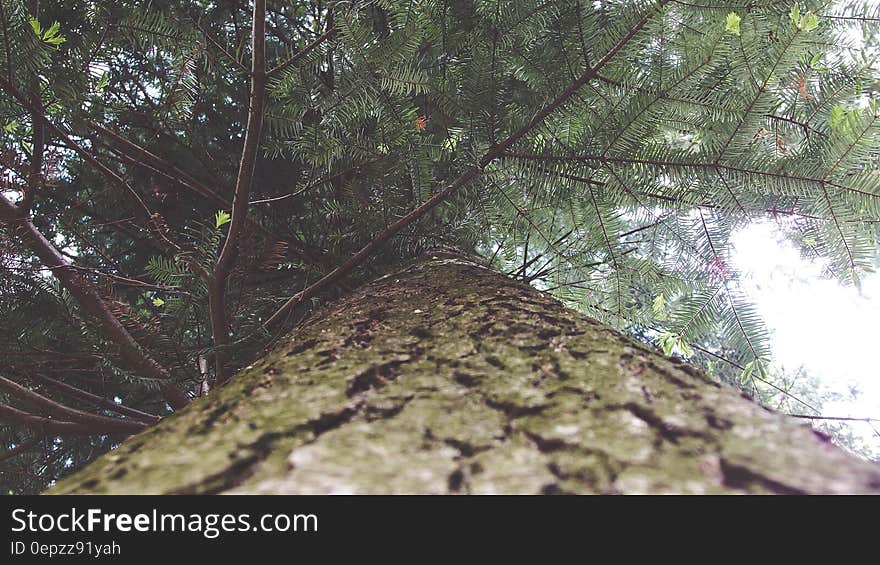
447 377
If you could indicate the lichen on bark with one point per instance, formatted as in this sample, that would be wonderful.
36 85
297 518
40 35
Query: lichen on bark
447 377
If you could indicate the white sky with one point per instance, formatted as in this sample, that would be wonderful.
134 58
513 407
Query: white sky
829 329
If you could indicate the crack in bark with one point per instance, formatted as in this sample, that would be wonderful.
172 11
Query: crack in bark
375 377
670 432
299 348
374 413
233 476
513 410
742 478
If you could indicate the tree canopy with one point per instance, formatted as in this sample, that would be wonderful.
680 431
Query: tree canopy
184 179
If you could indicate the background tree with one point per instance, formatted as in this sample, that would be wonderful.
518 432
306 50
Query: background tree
185 180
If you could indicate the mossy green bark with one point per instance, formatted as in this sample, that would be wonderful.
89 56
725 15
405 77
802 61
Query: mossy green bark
447 377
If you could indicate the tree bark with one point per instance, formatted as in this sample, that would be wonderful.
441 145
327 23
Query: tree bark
447 377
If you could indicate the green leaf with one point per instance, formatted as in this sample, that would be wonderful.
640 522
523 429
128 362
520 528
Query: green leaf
49 36
796 15
52 31
731 23
667 343
11 127
659 307
761 369
747 372
158 302
837 118
673 343
684 348
809 21
102 82
221 218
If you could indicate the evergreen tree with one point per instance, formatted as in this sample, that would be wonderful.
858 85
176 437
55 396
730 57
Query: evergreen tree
183 181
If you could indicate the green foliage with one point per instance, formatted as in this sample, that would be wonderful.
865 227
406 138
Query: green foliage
221 218
51 35
731 23
621 202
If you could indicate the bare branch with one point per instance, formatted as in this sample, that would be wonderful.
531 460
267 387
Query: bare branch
48 426
243 185
94 399
57 410
833 418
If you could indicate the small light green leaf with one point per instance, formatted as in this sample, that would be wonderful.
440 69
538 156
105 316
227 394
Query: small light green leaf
52 31
731 23
796 15
659 307
667 343
221 218
809 21
837 118
102 82
761 369
382 148
158 302
49 36
747 372
11 127
684 348
449 144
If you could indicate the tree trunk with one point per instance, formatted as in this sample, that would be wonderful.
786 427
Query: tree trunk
447 377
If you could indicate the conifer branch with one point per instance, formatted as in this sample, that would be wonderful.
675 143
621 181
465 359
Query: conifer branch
88 297
92 159
241 198
464 179
293 59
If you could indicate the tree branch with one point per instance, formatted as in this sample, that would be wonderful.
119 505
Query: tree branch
94 399
466 178
90 300
243 185
149 160
90 158
48 426
38 137
302 53
57 410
